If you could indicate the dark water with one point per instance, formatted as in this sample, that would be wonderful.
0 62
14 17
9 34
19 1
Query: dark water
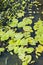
7 59
39 61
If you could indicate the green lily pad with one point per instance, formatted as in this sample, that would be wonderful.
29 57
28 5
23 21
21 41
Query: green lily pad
23 42
21 24
13 23
1 49
30 50
4 37
27 28
18 35
20 13
25 22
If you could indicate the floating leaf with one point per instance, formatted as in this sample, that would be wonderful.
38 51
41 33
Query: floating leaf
26 34
30 50
39 50
18 35
1 49
23 42
10 47
11 33
38 24
28 58
4 37
24 63
27 28
31 41
13 23
21 24
20 13
11 42
27 20
41 40
16 49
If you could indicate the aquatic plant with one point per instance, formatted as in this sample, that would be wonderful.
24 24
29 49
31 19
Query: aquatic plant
16 30
38 27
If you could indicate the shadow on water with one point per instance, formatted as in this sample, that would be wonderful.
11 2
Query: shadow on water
7 59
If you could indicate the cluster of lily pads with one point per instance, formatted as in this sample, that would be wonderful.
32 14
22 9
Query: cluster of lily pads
17 34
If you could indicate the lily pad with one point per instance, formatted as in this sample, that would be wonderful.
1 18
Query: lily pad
2 49
13 23
27 28
18 35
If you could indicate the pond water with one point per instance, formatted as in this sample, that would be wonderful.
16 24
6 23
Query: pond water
39 61
7 59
